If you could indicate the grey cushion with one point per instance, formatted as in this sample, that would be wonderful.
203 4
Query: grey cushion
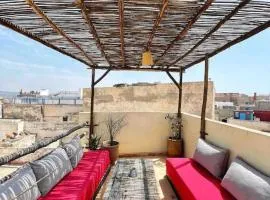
211 157
74 151
55 166
17 185
245 182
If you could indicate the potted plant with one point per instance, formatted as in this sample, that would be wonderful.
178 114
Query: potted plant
94 142
175 142
113 126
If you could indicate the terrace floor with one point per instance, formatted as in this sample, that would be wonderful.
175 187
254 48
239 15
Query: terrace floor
164 188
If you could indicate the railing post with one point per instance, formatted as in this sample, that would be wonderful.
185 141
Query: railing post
205 91
180 93
91 127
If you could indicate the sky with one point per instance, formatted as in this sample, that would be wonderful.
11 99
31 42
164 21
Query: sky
29 65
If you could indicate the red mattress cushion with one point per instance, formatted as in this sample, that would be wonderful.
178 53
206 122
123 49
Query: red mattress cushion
192 181
82 182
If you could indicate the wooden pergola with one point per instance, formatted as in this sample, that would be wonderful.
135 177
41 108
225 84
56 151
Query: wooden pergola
113 34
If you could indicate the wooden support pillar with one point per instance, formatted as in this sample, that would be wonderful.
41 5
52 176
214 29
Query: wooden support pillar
180 93
205 91
91 126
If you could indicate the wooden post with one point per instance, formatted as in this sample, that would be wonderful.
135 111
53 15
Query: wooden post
202 132
91 127
180 93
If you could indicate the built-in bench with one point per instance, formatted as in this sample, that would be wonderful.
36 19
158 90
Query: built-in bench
83 182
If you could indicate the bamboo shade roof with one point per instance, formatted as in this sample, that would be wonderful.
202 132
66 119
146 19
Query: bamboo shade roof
113 34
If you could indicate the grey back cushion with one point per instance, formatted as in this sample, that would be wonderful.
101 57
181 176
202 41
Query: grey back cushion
245 182
74 151
211 157
54 166
22 185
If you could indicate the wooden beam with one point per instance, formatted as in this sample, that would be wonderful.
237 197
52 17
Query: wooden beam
37 145
157 22
85 14
33 37
205 91
135 68
172 78
223 21
57 29
180 93
103 75
233 42
91 127
121 29
185 30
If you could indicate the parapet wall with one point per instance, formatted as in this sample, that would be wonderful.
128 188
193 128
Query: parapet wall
154 98
41 112
147 133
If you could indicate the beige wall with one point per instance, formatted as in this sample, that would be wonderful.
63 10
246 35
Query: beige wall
41 112
251 145
148 132
257 125
144 133
10 125
48 129
155 98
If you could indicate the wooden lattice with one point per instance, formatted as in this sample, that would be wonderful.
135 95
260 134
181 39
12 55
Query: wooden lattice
114 33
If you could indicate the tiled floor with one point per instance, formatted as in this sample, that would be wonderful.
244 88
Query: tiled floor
164 188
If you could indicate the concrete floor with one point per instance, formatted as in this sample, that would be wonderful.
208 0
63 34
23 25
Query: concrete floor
165 190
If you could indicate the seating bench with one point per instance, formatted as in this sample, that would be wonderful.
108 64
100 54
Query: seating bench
84 180
192 182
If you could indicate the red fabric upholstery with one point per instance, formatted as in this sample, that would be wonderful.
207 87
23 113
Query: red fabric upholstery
193 182
82 182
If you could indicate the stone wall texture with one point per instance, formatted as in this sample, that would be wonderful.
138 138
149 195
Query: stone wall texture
41 112
155 98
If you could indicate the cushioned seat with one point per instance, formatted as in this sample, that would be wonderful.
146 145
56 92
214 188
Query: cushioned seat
82 182
192 181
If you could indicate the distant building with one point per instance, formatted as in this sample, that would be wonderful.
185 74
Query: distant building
262 105
244 114
44 92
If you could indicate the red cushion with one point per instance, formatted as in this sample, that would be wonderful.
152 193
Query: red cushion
82 182
192 181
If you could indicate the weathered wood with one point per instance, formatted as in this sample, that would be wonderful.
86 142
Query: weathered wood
91 127
185 30
85 14
223 21
205 92
236 41
40 144
139 19
121 30
102 76
57 29
173 80
156 24
179 111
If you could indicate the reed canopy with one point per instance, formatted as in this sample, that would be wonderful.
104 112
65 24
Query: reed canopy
114 34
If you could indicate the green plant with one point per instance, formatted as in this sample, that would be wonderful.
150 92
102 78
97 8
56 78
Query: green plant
114 124
94 142
176 125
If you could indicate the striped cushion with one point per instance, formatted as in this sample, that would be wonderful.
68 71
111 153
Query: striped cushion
16 186
55 166
74 151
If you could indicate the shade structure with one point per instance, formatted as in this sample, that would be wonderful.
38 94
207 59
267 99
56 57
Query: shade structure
113 34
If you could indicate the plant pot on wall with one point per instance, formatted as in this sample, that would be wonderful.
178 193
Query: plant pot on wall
174 147
113 150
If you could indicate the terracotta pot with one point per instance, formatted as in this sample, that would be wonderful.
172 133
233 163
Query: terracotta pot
114 150
174 147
